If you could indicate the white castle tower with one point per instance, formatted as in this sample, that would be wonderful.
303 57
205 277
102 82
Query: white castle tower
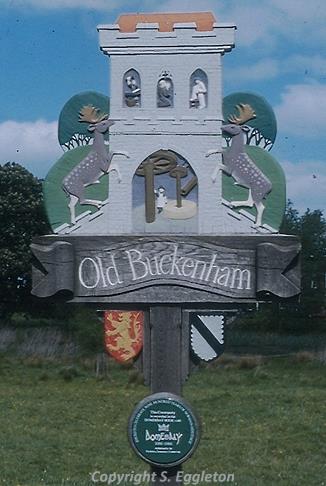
166 101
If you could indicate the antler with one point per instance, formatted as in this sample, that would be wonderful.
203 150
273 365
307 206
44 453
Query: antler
246 113
91 114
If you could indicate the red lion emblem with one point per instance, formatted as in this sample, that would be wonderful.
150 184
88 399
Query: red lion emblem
123 334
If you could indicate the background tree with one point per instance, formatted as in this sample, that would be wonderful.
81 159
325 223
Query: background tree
313 239
22 216
291 220
311 229
307 314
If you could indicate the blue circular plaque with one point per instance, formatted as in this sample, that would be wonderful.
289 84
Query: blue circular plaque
163 430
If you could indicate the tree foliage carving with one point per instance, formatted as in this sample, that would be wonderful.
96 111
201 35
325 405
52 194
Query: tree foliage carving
72 133
263 127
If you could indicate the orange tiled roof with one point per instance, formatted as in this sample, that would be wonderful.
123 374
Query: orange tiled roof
204 20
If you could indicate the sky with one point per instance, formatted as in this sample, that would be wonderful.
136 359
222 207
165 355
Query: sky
49 52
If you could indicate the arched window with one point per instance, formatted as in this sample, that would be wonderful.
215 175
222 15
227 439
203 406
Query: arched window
165 91
131 89
198 90
165 194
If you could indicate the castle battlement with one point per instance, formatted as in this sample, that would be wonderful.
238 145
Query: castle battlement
148 38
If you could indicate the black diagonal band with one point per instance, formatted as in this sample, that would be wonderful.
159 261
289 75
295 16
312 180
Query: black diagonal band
207 334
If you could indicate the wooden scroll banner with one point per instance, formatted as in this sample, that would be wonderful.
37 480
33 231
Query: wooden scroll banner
132 269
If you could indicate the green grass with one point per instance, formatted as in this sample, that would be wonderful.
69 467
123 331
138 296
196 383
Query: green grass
266 425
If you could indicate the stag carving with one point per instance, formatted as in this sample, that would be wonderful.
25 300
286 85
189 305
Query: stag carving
97 163
240 166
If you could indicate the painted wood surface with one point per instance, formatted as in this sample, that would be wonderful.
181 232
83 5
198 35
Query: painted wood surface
169 358
235 269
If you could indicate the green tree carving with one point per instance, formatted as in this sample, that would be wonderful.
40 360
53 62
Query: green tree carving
72 133
263 127
22 216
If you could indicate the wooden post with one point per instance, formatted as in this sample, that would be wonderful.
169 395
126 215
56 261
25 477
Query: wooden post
149 191
178 172
166 363
189 186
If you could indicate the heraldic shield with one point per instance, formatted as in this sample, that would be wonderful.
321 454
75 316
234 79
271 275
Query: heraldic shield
123 334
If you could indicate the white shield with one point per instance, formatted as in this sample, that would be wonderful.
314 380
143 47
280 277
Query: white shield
207 335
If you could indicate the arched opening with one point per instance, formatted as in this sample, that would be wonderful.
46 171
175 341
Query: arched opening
165 91
198 97
131 89
165 194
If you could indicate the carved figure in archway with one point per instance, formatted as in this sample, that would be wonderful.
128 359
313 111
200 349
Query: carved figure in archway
198 94
164 192
132 91
161 199
165 92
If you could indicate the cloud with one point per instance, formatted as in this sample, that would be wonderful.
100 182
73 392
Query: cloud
106 5
309 65
302 110
182 5
256 24
31 144
259 22
249 30
272 21
306 182
300 10
269 68
263 69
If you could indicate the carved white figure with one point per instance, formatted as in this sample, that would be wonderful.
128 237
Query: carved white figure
97 163
198 94
243 170
161 199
